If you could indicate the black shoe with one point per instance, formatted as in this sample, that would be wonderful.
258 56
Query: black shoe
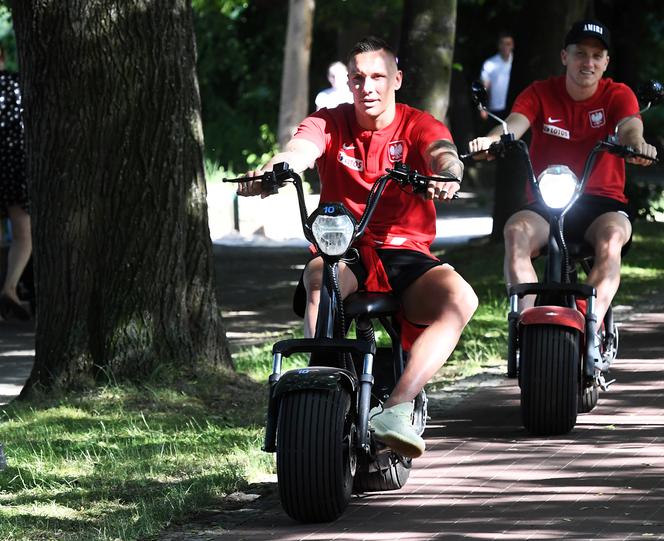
9 309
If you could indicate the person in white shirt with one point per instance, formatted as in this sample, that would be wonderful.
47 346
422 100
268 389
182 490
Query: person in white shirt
496 74
339 92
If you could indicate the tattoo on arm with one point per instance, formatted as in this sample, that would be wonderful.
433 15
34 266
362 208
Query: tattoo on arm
445 158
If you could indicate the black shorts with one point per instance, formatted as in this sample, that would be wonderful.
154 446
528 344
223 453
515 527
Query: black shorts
402 267
584 212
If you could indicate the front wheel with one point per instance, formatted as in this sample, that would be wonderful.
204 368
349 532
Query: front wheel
549 378
315 454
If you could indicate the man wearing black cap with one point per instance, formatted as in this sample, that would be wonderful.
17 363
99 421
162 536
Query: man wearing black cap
567 115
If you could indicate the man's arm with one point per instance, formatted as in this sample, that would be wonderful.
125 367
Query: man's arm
517 124
443 159
631 134
299 154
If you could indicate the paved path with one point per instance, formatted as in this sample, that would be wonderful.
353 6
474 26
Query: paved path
483 477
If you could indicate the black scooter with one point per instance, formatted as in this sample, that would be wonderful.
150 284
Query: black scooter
318 416
548 348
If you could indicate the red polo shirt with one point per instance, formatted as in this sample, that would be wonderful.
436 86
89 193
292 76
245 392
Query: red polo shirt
353 159
564 131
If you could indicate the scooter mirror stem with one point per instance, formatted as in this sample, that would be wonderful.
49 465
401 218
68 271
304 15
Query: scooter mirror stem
614 137
496 118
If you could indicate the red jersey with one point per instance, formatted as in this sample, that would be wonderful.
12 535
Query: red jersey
564 131
353 159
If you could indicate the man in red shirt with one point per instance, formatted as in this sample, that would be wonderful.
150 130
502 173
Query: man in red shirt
567 116
352 145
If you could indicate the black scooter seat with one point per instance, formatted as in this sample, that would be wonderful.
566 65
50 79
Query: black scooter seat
374 305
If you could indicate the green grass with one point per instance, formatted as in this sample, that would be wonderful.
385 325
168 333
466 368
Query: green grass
124 462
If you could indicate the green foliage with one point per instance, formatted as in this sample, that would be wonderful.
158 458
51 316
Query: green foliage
269 145
7 38
239 71
646 196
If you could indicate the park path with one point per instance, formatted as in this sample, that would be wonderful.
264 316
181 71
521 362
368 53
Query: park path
483 477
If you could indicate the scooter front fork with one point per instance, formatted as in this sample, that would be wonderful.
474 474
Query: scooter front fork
271 424
589 364
512 336
364 403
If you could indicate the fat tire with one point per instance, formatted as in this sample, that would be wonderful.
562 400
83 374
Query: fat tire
314 447
549 378
588 399
393 477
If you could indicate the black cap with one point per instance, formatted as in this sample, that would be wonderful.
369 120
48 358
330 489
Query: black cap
588 28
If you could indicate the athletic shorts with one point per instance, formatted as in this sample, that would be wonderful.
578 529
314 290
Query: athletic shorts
584 212
402 267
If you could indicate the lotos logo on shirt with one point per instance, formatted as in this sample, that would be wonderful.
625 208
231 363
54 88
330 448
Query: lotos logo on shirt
597 118
556 131
350 162
395 151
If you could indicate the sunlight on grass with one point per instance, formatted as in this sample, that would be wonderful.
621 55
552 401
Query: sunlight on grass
99 467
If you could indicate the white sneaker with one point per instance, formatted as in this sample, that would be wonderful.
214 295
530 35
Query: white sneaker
393 427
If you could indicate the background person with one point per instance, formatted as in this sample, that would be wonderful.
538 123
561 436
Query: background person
351 146
495 75
14 202
338 92
567 115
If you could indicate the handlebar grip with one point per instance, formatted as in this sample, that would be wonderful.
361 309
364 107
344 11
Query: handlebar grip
472 154
241 179
639 155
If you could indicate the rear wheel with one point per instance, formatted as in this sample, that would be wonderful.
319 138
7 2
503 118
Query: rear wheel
315 454
390 472
588 399
549 378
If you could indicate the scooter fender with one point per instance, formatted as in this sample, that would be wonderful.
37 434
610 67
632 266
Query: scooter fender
303 379
315 377
553 315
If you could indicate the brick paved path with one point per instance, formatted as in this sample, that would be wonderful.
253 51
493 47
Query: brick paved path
483 477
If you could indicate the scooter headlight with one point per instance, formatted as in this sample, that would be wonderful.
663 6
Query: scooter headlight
333 229
557 184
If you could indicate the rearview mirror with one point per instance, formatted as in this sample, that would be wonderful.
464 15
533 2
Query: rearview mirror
650 92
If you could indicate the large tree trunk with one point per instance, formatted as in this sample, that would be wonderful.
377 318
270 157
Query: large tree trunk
123 257
425 54
294 102
538 41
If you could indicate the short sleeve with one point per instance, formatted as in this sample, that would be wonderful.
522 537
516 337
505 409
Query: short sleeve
427 130
623 105
485 74
314 128
528 104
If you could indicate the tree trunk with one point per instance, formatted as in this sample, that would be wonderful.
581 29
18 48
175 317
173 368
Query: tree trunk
538 41
123 257
294 103
425 54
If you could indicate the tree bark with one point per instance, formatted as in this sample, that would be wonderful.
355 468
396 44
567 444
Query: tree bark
123 257
294 102
538 41
426 52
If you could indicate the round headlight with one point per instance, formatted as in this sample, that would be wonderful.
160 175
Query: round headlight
333 234
557 184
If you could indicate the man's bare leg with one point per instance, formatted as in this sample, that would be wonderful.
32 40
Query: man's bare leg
445 302
607 234
526 232
313 281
